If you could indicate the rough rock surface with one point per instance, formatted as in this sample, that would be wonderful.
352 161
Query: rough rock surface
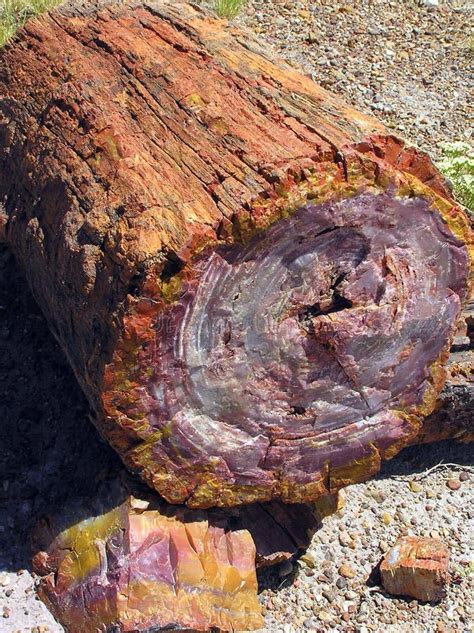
151 231
416 567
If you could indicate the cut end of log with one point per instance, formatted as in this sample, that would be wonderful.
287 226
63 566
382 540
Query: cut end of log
290 362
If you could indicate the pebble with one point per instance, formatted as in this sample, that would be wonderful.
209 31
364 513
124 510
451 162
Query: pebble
415 486
341 583
463 476
453 484
346 571
329 595
345 540
324 616
4 580
308 559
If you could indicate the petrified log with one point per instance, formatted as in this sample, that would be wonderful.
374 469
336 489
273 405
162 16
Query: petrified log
256 285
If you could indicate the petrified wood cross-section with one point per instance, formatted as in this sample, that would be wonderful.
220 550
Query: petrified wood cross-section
134 569
256 285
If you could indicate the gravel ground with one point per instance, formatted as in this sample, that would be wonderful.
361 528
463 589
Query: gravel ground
316 596
411 66
408 63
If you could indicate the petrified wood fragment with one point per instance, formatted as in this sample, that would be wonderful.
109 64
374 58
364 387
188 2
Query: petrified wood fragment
417 567
136 569
256 285
124 559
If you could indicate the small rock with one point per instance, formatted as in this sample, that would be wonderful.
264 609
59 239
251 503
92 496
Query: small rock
415 486
463 476
387 518
309 560
7 612
324 616
341 583
453 484
329 575
4 580
346 571
416 567
329 595
312 37
345 540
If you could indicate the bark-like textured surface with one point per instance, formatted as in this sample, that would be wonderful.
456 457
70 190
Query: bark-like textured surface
256 285
417 567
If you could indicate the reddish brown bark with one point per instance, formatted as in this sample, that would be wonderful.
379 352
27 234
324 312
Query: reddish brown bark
256 285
